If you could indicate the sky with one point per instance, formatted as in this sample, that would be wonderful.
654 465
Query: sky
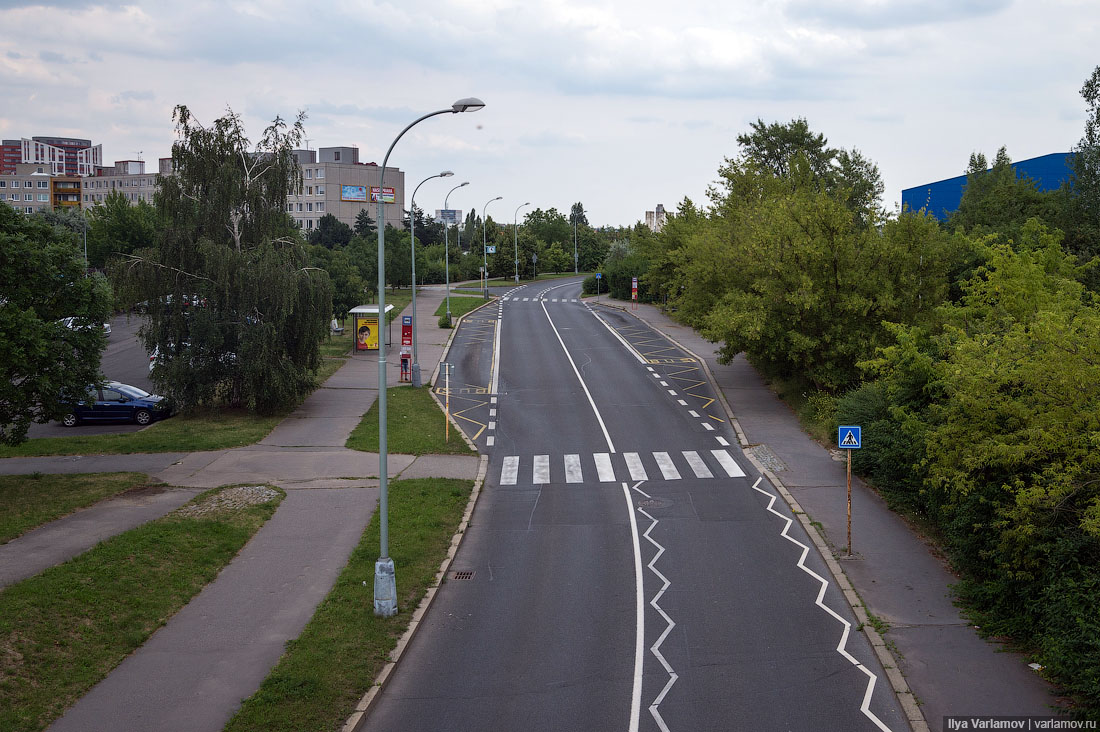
618 104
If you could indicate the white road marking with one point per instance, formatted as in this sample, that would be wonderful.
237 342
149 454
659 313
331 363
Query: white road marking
490 441
634 465
656 374
722 441
493 413
655 604
707 426
619 338
573 469
668 469
492 425
664 383
865 707
672 392
509 474
692 412
639 618
525 299
728 464
493 382
540 475
492 400
682 402
604 469
697 465
649 367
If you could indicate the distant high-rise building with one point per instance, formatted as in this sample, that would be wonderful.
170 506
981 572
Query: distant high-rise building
64 155
655 219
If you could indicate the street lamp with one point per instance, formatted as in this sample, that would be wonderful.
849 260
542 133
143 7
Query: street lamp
484 255
385 586
412 238
447 249
575 264
515 235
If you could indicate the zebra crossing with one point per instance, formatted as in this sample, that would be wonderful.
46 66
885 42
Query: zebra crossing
612 467
538 299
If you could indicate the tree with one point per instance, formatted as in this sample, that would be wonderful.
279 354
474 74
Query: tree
1081 220
42 280
331 232
364 224
772 147
576 215
117 228
996 201
234 309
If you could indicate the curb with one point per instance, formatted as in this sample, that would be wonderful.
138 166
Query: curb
442 359
358 718
904 694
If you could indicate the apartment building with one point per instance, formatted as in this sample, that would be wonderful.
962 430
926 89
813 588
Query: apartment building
70 156
128 177
335 182
28 188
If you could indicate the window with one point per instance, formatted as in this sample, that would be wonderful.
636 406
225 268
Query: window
28 196
28 184
309 173
309 190
321 171
28 209
320 205
320 190
290 207
3 184
309 223
43 196
309 207
336 156
299 207
43 184
85 198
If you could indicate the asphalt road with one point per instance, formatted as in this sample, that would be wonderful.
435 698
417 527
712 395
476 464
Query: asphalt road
124 360
625 572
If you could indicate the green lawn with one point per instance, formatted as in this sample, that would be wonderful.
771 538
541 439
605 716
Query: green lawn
28 501
460 306
414 426
64 630
327 669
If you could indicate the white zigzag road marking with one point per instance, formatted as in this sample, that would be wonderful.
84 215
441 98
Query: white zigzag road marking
656 648
865 707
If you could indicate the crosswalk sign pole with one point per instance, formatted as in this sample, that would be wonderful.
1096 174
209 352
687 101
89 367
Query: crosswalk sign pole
849 504
848 438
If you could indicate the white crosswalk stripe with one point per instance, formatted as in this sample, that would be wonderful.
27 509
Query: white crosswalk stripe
604 469
634 465
611 468
573 473
540 474
510 472
697 465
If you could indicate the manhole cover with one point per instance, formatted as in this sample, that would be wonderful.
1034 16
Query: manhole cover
462 575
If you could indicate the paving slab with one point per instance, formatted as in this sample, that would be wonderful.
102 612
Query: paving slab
284 468
136 463
63 539
442 466
192 674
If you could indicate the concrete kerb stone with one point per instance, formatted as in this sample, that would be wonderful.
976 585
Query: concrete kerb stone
358 718
901 689
443 359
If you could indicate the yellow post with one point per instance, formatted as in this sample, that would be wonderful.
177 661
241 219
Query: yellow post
447 413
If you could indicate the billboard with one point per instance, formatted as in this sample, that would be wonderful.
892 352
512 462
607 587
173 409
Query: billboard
387 194
366 332
353 193
449 216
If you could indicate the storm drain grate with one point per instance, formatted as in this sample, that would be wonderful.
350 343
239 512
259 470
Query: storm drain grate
463 575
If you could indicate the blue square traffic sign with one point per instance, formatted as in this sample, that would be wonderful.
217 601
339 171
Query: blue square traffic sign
848 438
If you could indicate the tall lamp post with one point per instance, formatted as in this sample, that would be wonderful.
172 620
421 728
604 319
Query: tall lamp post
484 254
412 238
515 235
447 248
385 585
576 266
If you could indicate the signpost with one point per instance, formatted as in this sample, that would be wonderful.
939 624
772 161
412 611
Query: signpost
599 276
848 438
406 344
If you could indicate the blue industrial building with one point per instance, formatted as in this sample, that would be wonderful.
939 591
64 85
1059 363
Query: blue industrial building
943 197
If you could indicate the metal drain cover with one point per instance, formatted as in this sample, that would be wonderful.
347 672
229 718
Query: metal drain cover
462 575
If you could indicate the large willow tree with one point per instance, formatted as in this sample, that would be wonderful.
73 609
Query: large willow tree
234 312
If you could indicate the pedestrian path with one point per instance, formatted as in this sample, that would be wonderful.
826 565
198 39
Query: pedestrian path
606 467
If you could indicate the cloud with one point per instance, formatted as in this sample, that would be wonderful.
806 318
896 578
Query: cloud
877 14
134 96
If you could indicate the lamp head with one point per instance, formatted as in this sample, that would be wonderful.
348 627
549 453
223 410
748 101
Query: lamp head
446 174
527 204
497 198
464 183
469 104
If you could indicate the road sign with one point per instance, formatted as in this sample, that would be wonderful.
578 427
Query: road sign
849 438
491 249
599 276
406 330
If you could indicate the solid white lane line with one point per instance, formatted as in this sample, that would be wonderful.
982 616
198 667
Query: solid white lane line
728 464
509 474
697 465
591 401
722 441
540 473
604 469
639 618
496 361
619 338
634 465
668 469
865 707
573 469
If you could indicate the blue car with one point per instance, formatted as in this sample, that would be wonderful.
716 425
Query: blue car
118 402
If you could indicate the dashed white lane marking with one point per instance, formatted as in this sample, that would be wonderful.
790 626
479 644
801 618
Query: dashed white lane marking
492 425
657 375
664 383
493 413
728 464
672 392
668 469
492 400
722 441
525 299
490 440
604 468
697 465
865 707
654 708
509 474
573 472
541 471
707 426
649 368
682 402
634 465
692 412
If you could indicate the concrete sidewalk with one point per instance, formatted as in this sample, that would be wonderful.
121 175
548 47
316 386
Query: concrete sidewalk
949 668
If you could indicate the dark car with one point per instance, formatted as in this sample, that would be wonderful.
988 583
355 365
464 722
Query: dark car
117 402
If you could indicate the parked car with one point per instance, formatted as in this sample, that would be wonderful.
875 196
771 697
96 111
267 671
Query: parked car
72 324
117 402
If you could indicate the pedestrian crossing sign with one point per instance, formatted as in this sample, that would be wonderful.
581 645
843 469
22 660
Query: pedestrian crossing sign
849 438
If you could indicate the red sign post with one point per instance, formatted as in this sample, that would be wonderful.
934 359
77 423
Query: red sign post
633 293
406 343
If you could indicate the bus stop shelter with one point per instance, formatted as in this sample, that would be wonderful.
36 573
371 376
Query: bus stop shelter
367 328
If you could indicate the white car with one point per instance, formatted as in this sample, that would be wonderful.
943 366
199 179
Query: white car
72 324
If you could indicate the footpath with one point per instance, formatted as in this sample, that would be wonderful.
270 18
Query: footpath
193 673
949 668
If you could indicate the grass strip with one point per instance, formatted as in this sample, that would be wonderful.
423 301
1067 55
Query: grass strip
414 426
192 432
64 630
327 669
460 306
28 501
